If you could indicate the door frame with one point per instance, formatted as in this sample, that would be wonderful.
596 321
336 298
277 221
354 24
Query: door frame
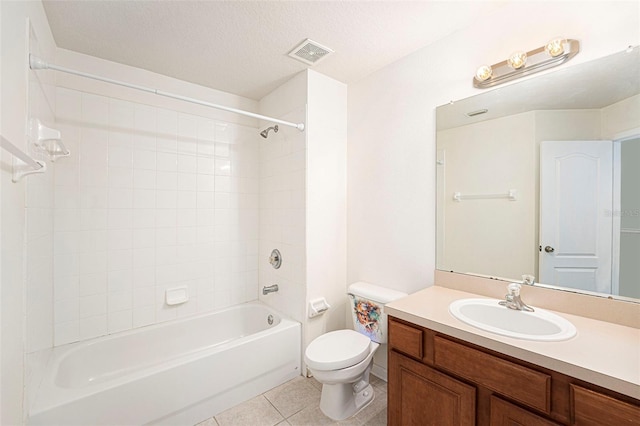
617 139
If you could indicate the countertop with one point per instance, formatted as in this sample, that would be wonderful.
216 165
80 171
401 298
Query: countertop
602 353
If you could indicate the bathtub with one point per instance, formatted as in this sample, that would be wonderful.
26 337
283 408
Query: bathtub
180 372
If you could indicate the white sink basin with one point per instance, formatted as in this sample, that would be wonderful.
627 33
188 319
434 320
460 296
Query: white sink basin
488 315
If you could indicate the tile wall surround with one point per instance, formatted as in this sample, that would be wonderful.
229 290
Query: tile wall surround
38 216
151 199
283 171
282 216
38 257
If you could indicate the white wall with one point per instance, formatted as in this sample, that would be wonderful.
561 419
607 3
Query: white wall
391 152
621 117
490 157
19 235
326 201
303 200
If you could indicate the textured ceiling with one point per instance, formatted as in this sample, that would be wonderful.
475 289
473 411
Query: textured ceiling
241 47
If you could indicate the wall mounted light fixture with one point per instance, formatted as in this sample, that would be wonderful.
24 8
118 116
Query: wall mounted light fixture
556 52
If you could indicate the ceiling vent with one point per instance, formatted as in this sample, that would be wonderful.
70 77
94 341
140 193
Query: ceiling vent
310 52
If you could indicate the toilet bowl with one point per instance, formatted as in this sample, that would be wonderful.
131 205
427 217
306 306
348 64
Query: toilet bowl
342 360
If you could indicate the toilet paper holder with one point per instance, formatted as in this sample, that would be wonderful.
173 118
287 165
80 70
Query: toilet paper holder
318 307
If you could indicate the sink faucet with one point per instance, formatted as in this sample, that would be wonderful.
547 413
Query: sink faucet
270 289
528 279
513 301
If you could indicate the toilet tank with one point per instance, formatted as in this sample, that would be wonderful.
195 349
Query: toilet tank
367 309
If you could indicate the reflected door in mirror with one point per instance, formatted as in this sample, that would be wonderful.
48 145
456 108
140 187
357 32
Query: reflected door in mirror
576 193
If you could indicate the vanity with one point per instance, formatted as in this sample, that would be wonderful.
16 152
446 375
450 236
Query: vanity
533 179
444 372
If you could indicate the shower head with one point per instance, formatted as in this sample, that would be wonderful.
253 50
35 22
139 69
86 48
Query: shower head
265 132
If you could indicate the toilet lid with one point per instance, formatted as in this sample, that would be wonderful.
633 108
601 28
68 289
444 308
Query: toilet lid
336 350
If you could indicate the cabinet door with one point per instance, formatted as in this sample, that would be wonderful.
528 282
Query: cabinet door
507 414
422 396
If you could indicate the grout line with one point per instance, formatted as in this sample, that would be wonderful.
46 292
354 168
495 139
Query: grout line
381 389
274 407
285 418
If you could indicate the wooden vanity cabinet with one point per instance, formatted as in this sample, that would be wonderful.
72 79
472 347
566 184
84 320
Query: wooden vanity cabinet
437 380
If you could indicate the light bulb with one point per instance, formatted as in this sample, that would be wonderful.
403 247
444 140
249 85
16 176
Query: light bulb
517 60
484 73
555 47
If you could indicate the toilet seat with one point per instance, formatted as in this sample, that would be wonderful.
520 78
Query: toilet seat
336 350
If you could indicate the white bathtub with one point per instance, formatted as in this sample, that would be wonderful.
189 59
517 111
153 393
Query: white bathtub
173 373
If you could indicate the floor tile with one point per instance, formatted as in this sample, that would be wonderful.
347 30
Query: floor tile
255 412
378 404
312 416
293 396
297 403
379 419
316 384
377 382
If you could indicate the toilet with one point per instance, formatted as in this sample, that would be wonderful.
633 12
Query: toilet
342 360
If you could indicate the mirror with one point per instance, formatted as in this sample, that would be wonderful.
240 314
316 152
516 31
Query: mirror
541 178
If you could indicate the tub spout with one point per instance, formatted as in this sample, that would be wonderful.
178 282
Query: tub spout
270 289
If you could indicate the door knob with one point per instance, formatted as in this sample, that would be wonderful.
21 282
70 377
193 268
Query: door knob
549 249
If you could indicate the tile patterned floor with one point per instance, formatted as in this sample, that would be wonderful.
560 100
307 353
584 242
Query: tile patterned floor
297 403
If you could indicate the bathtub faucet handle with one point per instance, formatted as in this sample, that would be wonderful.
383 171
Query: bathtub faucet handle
275 259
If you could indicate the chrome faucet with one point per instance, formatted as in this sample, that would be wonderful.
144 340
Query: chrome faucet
270 289
528 279
512 299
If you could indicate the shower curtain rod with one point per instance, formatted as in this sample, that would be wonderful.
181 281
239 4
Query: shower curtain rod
36 63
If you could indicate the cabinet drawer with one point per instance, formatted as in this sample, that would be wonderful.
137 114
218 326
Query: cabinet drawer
519 383
405 339
593 408
506 414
